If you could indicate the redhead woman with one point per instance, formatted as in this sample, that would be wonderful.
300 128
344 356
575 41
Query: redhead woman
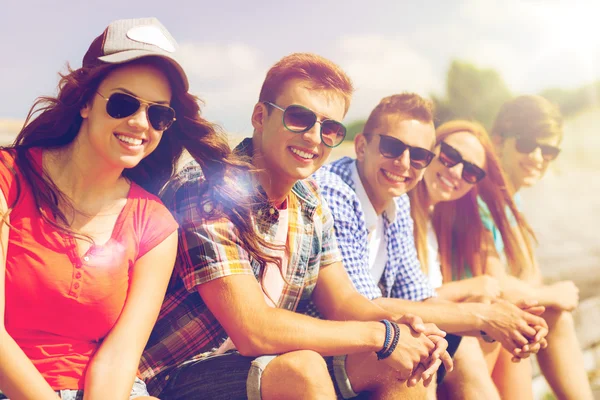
452 242
463 208
87 246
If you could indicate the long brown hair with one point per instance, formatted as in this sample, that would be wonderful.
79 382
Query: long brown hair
458 225
54 122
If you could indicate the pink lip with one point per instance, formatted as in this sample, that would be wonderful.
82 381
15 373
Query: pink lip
301 159
448 179
395 183
130 147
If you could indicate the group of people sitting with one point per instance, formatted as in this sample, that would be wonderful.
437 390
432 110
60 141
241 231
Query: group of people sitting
262 272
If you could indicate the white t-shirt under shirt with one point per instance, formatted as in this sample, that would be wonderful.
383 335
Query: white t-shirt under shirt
377 242
272 279
434 268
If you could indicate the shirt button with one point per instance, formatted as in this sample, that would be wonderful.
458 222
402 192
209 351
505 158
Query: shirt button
272 211
167 378
76 285
86 259
78 275
260 212
77 266
207 207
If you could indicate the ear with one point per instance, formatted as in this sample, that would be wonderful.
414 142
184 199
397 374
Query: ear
259 117
498 142
360 146
85 111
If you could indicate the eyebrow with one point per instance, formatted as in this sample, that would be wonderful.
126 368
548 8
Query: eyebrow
137 97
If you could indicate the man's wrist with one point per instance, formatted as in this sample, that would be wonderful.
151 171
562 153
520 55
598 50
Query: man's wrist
475 315
377 335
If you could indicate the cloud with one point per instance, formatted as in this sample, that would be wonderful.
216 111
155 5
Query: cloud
227 77
380 66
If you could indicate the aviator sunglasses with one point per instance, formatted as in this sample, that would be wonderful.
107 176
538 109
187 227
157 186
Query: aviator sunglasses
390 147
121 105
528 145
449 157
299 119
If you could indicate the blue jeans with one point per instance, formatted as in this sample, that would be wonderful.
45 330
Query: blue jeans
232 376
139 389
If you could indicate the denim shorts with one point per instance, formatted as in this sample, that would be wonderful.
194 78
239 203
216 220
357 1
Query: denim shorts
232 376
138 390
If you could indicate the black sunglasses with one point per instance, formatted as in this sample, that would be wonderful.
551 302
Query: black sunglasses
299 119
528 145
121 105
390 147
449 157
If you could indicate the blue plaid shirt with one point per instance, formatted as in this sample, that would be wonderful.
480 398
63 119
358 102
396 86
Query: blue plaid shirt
402 277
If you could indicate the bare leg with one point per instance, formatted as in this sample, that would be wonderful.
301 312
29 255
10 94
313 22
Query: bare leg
297 375
491 351
367 374
562 361
513 380
470 378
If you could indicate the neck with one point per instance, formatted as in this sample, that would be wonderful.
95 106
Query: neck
276 187
81 176
378 204
276 190
515 187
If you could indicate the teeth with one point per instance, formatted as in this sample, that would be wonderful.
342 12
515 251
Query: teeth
302 154
446 182
394 177
129 140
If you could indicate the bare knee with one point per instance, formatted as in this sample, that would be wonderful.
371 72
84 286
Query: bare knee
558 319
297 375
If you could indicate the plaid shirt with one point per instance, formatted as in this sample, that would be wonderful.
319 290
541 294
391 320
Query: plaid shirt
210 249
402 277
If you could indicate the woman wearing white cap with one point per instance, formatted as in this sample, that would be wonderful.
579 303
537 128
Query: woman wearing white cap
87 249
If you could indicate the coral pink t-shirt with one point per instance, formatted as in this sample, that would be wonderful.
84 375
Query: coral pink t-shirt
60 306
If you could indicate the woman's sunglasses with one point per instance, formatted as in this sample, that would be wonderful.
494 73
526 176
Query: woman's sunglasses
299 119
528 145
449 157
390 147
122 105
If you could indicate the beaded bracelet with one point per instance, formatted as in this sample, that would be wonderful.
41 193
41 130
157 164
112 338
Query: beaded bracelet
388 337
387 351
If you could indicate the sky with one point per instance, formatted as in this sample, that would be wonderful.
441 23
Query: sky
386 46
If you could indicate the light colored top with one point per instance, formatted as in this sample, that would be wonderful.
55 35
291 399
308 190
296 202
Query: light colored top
272 280
377 243
434 268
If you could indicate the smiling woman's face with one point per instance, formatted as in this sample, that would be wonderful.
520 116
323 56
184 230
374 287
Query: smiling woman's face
124 142
446 184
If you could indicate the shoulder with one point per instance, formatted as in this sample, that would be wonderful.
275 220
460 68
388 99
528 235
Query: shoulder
335 181
185 191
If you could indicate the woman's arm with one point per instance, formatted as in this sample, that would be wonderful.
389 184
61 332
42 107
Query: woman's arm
112 371
19 379
561 295
484 287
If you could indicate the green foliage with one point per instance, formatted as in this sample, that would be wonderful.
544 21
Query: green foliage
471 93
353 128
572 101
